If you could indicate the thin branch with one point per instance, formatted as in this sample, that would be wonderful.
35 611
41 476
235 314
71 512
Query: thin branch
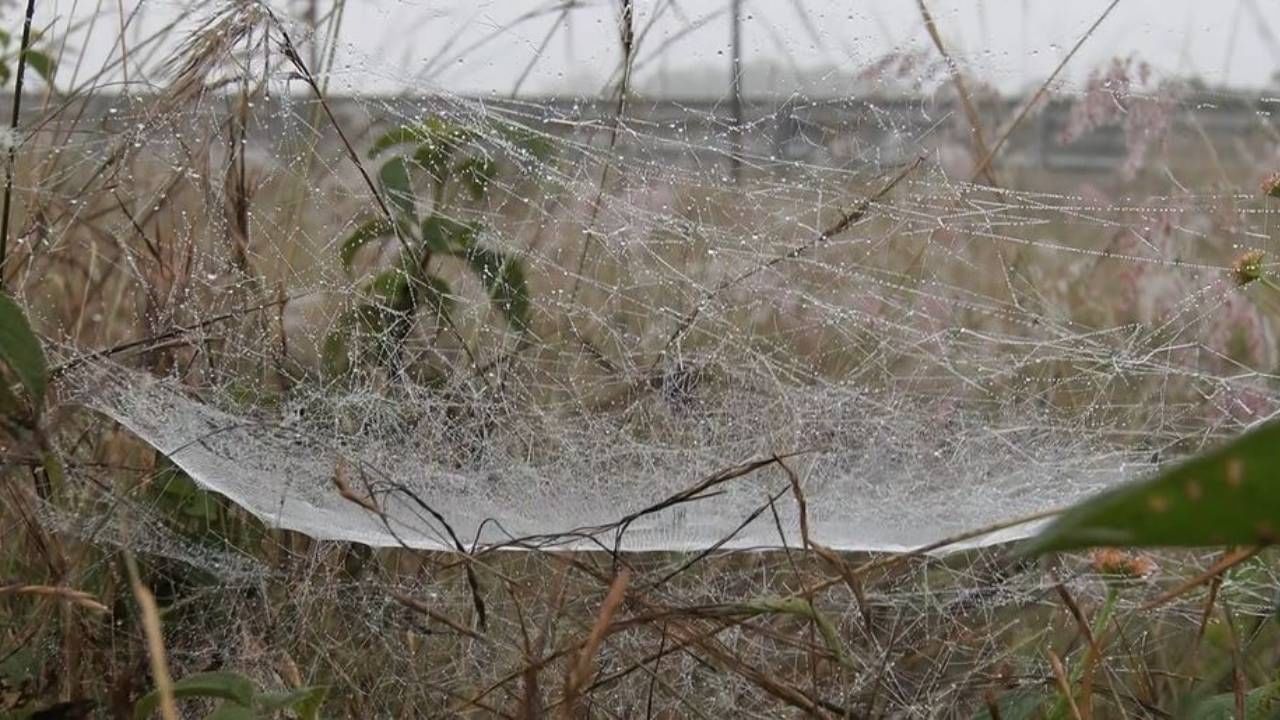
13 136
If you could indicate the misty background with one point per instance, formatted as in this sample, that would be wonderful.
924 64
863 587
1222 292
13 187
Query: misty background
683 47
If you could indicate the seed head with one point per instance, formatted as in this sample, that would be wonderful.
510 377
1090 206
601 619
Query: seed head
1271 185
1113 561
1248 267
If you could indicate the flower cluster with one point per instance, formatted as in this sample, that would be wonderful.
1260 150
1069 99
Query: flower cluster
1114 561
1112 97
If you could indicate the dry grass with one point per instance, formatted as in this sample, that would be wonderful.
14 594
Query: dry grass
185 251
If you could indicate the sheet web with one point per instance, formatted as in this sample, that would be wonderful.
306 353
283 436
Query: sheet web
831 300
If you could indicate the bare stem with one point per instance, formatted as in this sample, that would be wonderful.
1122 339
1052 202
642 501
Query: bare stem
13 145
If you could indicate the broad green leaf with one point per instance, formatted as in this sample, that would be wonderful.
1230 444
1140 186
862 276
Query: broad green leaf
232 711
433 156
394 178
527 142
361 236
20 350
1226 496
42 64
5 73
225 685
437 293
305 702
402 135
432 130
181 494
476 173
504 279
9 404
442 235
1260 703
335 353
4 38
391 290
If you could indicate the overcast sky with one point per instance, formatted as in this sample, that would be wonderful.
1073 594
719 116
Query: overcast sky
486 45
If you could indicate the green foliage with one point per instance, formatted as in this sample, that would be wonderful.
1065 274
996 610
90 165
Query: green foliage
1260 703
1227 496
39 61
394 178
183 500
42 64
240 696
366 233
435 167
21 355
503 277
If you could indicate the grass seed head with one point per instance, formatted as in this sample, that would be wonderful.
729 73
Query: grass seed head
1271 185
1248 267
1114 561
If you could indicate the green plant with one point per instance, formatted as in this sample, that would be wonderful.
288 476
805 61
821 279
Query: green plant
22 363
38 60
435 170
1229 495
1260 703
241 698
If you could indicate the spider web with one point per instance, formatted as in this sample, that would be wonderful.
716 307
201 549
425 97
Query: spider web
827 300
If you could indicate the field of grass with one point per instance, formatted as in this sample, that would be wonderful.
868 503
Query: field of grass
565 325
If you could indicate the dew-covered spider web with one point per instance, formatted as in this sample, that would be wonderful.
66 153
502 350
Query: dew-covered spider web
915 294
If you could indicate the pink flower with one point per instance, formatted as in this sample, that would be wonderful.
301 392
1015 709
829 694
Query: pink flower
1111 98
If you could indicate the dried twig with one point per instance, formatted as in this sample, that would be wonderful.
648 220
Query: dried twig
1064 686
1225 563
63 594
966 100
584 668
155 640
990 155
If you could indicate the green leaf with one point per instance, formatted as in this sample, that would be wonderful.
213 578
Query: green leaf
394 178
1260 703
1226 496
232 711
42 64
5 73
433 156
4 38
225 685
433 130
305 702
401 135
390 288
442 235
20 350
9 403
361 236
181 495
527 142
504 279
335 353
476 173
